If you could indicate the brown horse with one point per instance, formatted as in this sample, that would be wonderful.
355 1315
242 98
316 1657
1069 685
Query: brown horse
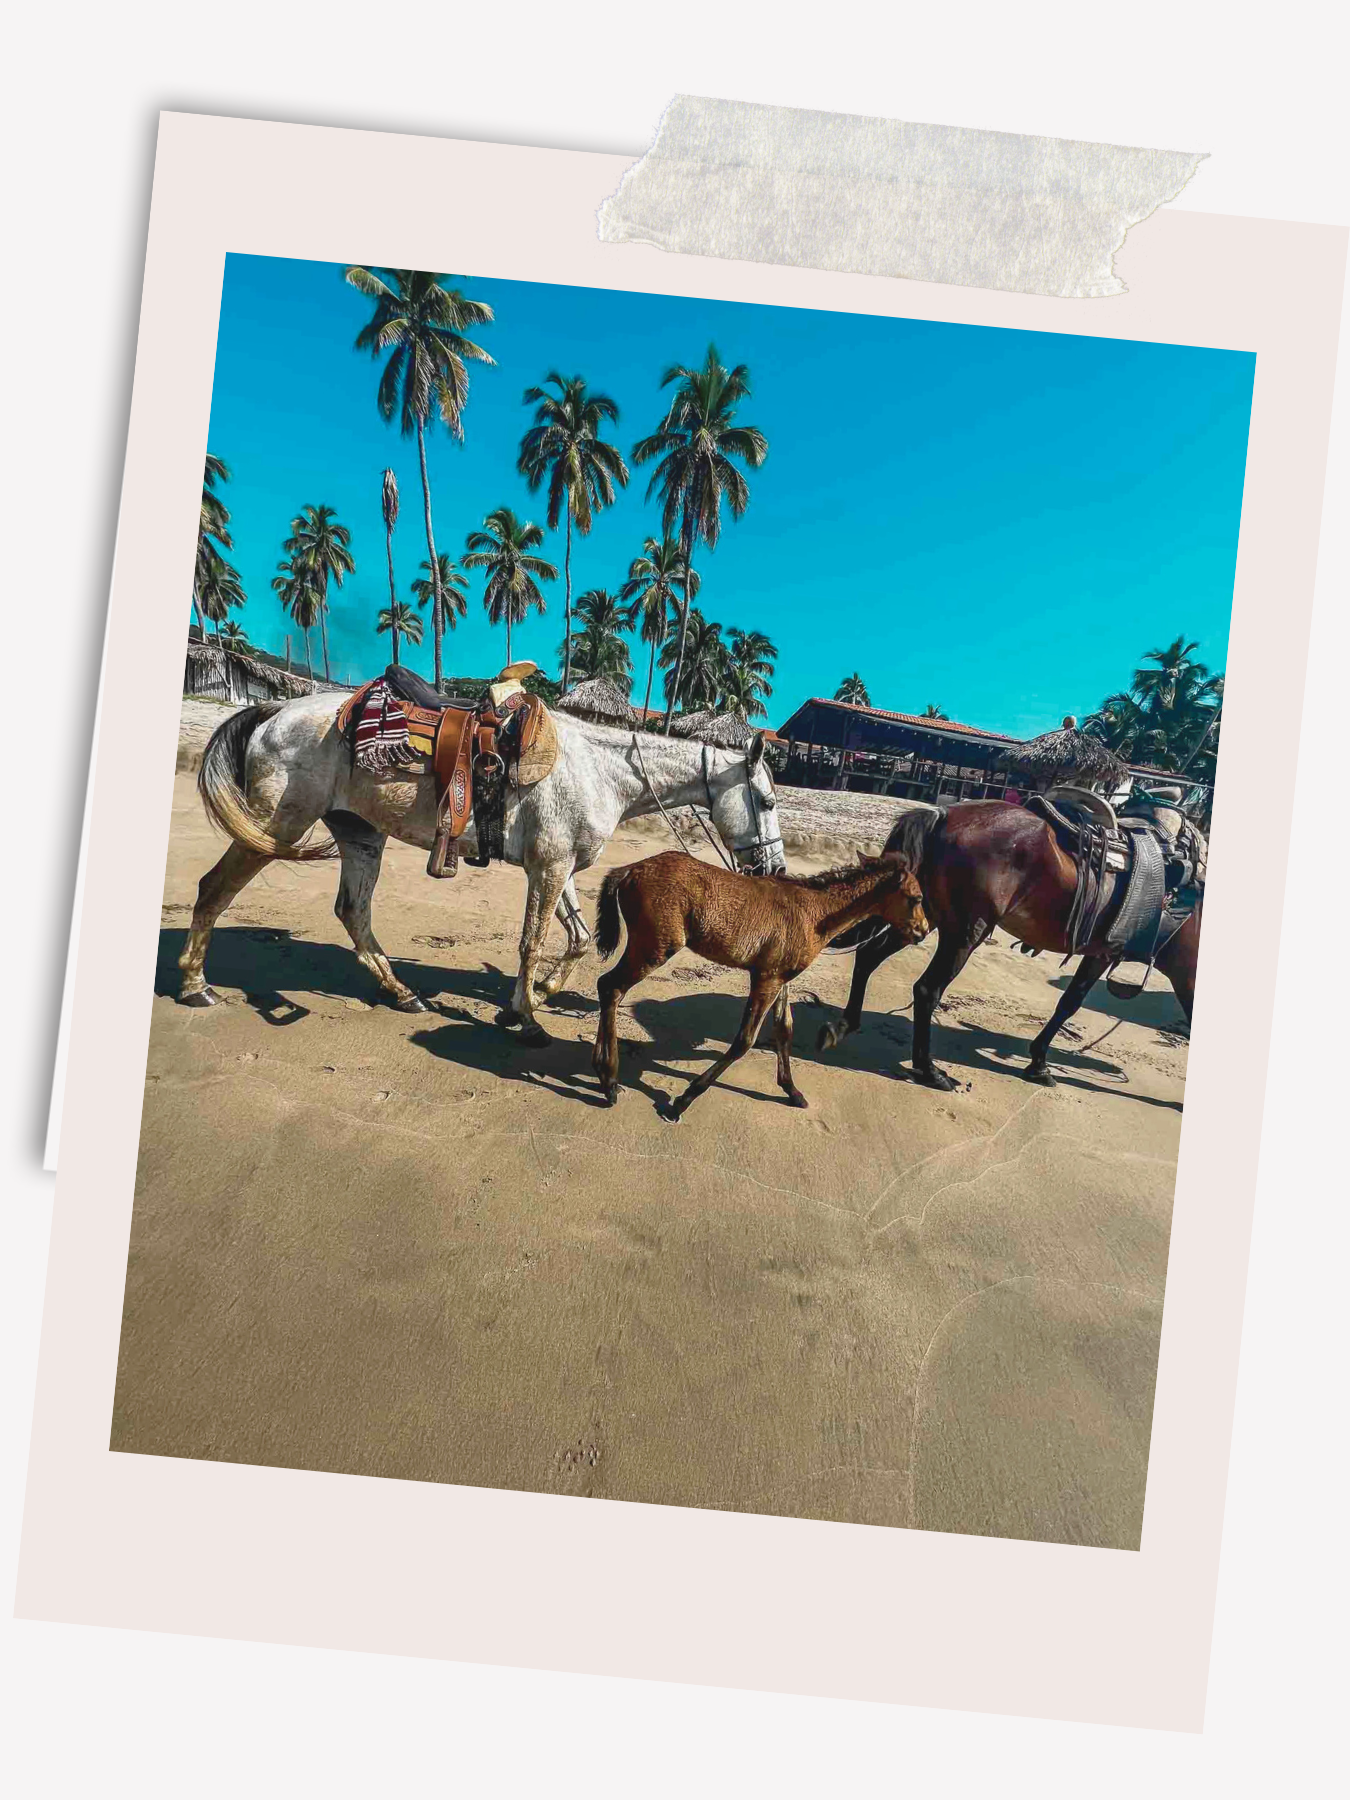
773 925
985 863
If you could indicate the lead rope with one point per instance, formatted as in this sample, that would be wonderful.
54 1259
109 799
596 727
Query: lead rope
637 750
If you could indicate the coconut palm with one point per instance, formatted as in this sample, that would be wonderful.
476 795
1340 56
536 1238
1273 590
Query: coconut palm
654 578
218 589
213 534
294 587
233 636
564 448
852 690
421 324
695 657
751 660
399 620
693 449
504 550
323 546
1123 725
450 580
933 712
389 508
598 648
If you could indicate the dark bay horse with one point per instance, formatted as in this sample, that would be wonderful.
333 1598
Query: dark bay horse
774 926
985 863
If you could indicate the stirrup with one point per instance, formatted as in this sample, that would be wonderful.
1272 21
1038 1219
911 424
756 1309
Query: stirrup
443 863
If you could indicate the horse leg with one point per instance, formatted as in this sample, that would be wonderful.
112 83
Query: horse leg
633 966
949 959
568 914
782 1043
1179 960
1086 976
216 890
362 849
866 962
764 990
545 892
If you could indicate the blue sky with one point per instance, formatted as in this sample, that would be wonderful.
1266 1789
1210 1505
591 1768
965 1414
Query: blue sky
996 522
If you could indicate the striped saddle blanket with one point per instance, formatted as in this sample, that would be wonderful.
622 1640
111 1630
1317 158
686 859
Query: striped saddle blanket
388 731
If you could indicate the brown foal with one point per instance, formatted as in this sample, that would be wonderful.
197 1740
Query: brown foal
773 925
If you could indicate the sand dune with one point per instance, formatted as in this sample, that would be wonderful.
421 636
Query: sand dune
409 1246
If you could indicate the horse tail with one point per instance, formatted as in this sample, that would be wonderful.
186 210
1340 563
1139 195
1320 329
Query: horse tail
911 832
607 916
220 782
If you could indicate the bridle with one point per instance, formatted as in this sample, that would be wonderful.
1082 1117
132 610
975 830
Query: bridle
765 854
760 857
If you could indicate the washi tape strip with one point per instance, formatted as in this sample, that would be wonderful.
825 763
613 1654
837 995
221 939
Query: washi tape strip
991 209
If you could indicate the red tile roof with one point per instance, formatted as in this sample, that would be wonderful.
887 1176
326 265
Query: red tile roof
899 718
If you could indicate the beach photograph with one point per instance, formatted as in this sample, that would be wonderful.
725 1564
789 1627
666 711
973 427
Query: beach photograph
684 901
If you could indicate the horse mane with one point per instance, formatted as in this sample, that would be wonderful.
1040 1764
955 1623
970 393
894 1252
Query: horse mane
827 878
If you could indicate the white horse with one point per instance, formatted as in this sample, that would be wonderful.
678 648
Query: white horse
271 772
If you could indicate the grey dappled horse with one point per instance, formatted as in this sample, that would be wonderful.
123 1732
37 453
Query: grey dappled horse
272 772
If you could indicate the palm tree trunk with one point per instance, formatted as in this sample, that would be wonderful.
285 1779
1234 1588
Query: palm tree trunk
647 697
508 639
323 624
687 546
389 553
437 604
201 622
567 576
309 660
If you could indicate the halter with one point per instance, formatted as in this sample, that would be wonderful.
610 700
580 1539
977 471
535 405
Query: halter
758 858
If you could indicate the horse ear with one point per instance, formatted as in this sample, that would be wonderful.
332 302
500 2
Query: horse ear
756 752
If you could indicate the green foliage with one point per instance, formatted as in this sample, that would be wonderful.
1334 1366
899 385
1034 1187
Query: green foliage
504 550
1171 715
852 690
598 648
419 325
453 587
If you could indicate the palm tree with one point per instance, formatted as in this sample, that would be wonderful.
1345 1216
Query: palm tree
389 507
696 443
213 525
1174 673
564 446
218 589
421 324
650 590
598 648
452 606
233 636
695 656
852 690
503 548
1180 699
751 660
322 546
1122 724
399 619
933 712
294 587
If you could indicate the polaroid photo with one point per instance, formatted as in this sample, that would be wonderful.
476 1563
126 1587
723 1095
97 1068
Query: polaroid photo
669 1030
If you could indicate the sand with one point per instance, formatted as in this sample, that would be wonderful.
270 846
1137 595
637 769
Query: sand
410 1246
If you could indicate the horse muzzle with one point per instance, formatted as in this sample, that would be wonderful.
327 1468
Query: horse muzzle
761 859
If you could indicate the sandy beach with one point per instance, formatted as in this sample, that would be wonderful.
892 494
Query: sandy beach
410 1246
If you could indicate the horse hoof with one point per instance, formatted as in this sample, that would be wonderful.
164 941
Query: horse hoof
412 1004
930 1078
508 1016
1042 1077
611 1096
203 997
796 1098
829 1037
535 1035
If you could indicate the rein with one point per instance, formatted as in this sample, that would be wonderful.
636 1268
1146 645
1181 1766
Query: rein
661 806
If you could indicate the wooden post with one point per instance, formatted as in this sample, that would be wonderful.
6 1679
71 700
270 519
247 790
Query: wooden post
288 652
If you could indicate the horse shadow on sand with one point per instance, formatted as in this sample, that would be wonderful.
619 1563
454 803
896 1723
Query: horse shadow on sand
275 968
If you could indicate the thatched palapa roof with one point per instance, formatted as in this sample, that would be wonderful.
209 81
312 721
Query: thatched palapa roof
216 659
726 730
1066 753
600 700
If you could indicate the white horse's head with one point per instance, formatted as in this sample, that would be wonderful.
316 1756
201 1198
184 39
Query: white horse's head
744 807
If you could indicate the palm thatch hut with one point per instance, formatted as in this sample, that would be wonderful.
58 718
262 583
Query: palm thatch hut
600 700
1066 755
726 730
219 673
